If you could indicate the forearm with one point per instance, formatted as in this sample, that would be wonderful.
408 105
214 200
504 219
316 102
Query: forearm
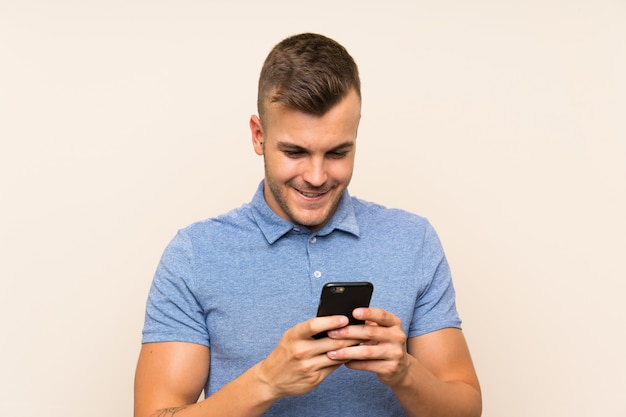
245 396
422 394
170 376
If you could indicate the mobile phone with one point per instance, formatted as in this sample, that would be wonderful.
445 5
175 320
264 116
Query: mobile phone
341 298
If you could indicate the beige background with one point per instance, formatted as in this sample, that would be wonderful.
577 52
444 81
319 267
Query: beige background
502 122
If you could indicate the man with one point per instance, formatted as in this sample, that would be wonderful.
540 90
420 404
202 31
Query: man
231 309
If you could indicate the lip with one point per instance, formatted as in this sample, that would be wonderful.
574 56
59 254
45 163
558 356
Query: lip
311 196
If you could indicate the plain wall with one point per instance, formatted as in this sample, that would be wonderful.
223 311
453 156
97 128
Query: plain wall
500 121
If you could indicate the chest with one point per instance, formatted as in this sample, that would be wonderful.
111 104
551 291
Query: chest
251 295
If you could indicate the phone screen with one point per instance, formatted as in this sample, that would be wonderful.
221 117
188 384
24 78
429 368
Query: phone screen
341 298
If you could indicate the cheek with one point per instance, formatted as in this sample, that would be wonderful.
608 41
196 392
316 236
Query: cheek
281 169
342 170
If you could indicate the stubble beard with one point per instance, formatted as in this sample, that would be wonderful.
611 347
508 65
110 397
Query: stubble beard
281 199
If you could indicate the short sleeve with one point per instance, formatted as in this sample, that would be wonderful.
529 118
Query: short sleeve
173 312
435 307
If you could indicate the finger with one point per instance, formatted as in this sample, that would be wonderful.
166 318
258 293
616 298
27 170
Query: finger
376 315
371 334
368 352
360 352
314 326
362 332
388 370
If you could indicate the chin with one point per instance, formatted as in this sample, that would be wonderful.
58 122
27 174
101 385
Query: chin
313 221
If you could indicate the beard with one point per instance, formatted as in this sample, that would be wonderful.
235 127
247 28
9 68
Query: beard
315 218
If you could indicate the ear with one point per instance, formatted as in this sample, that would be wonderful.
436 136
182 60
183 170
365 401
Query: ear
257 134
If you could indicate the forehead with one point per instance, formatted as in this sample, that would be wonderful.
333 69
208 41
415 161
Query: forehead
288 125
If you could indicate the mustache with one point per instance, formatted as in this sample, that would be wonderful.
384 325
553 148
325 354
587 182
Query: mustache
311 190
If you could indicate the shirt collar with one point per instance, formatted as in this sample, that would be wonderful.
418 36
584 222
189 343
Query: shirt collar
275 227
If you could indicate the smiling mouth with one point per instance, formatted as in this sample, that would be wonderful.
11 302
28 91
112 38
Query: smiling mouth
309 194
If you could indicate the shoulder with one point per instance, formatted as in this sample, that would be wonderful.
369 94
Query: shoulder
219 238
370 214
394 227
212 234
234 221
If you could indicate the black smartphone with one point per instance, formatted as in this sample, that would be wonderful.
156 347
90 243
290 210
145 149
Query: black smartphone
341 298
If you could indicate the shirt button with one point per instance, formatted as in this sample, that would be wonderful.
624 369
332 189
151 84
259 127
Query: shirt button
313 239
296 229
317 274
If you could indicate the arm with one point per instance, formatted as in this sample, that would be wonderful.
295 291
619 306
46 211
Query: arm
171 375
433 376
442 374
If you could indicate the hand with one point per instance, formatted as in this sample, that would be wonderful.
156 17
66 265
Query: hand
299 362
382 349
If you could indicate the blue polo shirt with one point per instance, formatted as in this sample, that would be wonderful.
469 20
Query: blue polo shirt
237 282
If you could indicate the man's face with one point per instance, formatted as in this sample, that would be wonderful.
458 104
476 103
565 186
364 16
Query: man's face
308 159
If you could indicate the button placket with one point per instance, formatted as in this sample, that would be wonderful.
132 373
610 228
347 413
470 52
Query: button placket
317 274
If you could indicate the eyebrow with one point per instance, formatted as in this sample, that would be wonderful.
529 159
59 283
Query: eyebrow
342 146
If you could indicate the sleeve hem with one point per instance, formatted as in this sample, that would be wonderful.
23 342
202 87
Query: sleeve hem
163 337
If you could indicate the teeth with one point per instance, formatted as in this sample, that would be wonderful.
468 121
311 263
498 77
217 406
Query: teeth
311 195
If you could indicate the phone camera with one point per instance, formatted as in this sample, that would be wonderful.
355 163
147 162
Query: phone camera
337 290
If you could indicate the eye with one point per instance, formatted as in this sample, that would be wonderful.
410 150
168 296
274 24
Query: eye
337 154
293 154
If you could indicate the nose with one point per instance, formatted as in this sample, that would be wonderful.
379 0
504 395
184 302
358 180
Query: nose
315 172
